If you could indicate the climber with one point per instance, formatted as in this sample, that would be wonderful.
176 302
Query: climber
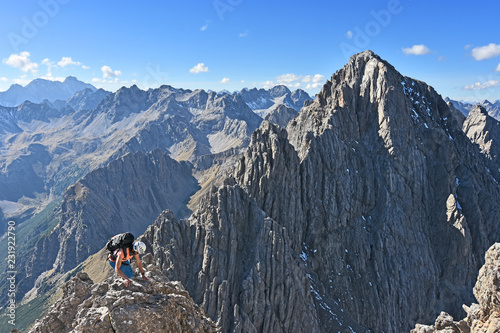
120 261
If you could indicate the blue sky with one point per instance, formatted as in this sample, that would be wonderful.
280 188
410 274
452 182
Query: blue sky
231 44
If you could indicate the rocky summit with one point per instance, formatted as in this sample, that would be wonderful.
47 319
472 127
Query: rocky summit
155 306
371 212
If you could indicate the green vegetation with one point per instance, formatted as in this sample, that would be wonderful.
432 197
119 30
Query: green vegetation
27 234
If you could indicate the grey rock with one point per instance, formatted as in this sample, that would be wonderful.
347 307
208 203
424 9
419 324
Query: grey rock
263 99
281 115
483 317
237 264
382 192
493 109
155 306
86 99
484 131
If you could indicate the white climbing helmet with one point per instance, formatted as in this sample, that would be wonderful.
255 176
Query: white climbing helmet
139 247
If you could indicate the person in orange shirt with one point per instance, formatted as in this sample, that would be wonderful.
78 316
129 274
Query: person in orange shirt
120 261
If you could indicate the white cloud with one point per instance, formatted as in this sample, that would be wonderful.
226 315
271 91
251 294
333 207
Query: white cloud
420 49
313 85
23 80
267 84
66 61
316 78
49 65
498 68
224 80
244 34
3 79
205 27
486 52
479 85
349 34
52 78
287 78
199 68
21 61
107 72
85 67
468 46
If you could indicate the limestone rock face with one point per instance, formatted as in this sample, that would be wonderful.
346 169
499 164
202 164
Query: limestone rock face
155 306
86 99
237 264
483 317
281 115
484 130
387 201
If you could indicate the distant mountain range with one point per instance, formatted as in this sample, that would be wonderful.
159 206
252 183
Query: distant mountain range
93 127
40 89
493 109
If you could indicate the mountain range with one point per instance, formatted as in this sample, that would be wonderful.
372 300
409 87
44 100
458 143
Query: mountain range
57 156
371 210
39 90
493 109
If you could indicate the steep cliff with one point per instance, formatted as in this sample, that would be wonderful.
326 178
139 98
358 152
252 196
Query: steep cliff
484 131
483 317
237 264
384 209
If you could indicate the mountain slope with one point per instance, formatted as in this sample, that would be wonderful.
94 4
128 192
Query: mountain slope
124 196
482 317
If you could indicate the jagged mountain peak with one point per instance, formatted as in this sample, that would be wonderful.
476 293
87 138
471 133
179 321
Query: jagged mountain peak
381 99
479 109
279 90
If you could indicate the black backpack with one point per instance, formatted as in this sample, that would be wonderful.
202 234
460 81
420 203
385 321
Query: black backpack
122 241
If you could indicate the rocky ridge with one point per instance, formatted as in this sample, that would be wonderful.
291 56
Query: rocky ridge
156 306
483 317
281 115
384 209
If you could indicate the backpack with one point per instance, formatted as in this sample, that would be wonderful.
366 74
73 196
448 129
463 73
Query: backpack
120 241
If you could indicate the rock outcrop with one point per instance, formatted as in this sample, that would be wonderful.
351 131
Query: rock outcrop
483 317
382 192
144 307
484 130
281 115
237 264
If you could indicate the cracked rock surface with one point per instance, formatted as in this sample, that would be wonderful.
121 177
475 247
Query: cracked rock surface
155 306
